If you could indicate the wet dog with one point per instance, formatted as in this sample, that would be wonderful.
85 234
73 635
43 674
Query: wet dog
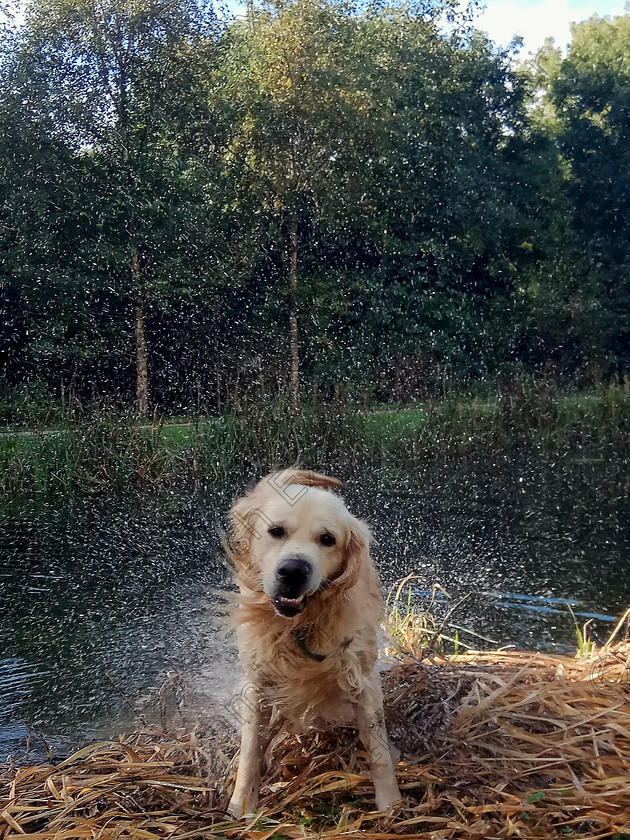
309 609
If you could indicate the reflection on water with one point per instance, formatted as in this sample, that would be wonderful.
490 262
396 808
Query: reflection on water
98 600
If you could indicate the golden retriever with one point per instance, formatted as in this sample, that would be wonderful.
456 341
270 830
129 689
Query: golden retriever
309 609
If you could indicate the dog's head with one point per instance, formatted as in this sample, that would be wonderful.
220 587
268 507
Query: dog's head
292 539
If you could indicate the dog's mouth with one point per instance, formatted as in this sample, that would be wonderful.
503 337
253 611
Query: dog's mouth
288 607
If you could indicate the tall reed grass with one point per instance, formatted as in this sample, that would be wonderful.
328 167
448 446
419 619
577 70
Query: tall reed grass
116 450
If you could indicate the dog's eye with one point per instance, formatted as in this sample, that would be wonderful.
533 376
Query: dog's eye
327 540
278 531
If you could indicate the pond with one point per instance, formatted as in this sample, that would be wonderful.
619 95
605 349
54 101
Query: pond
100 599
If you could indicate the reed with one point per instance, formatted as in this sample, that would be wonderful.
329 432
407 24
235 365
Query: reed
114 450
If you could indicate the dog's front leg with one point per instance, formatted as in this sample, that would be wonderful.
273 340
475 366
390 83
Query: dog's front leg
373 734
245 796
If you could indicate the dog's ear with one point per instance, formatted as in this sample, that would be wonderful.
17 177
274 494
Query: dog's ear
307 478
357 557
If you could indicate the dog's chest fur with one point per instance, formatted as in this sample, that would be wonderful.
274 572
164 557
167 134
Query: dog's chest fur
311 678
315 693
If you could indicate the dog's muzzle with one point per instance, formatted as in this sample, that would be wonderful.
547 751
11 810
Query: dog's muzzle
293 577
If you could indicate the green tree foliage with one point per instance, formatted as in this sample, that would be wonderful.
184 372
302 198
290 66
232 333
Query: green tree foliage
368 198
113 88
592 96
291 81
394 155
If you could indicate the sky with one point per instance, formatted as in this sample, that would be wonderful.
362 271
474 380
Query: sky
536 20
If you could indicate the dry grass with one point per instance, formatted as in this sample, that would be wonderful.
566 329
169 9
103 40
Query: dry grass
494 744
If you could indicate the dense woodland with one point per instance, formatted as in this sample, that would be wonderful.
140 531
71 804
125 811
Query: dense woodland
369 201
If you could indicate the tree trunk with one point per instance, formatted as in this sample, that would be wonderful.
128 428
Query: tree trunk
294 387
142 367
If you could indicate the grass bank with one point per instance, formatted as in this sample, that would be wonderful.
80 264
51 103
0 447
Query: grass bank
117 451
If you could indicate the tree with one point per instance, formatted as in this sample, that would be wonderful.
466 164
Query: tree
591 94
117 81
448 189
292 82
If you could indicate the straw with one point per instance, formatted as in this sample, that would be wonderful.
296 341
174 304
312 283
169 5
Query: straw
494 744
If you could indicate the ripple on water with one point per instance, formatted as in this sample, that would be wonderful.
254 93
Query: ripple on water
17 679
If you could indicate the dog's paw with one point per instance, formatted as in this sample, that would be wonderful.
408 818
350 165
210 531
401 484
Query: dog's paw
241 806
235 808
386 799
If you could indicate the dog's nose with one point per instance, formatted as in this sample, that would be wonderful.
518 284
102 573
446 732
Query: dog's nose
294 572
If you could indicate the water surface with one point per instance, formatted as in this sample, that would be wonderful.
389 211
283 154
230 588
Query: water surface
99 599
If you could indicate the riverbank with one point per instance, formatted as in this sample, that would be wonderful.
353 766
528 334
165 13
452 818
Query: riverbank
114 451
493 744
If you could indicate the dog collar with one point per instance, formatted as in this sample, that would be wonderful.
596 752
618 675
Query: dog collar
301 641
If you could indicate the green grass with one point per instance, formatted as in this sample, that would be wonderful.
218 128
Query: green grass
116 451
